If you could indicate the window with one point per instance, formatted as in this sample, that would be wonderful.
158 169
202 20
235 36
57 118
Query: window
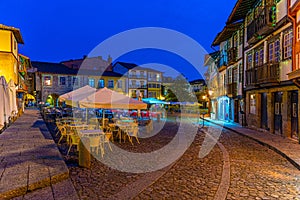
91 82
62 80
142 74
274 50
101 83
47 80
252 104
229 76
158 85
157 77
256 58
287 45
119 83
261 57
235 75
240 37
249 61
133 84
75 81
240 72
110 84
235 40
152 94
142 84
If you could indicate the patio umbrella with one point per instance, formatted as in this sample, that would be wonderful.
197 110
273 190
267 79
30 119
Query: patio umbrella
109 99
12 97
4 99
154 101
72 98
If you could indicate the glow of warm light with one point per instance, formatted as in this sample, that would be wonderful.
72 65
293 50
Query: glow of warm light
210 92
204 97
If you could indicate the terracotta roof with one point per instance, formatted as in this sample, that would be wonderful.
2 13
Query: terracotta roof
226 33
15 31
53 68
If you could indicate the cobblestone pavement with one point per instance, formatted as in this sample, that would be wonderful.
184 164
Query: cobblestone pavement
256 172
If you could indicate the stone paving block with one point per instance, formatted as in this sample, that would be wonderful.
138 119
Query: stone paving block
38 177
44 193
64 190
13 185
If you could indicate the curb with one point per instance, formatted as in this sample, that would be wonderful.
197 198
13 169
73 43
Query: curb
39 172
260 142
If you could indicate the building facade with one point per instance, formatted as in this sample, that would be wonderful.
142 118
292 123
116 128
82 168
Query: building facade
266 64
13 66
141 82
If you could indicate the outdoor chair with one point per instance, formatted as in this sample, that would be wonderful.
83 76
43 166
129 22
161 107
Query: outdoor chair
132 131
74 140
95 143
58 127
64 134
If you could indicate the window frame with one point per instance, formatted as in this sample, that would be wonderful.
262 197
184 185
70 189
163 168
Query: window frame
51 80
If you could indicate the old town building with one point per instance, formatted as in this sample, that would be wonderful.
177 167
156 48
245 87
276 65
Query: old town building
261 34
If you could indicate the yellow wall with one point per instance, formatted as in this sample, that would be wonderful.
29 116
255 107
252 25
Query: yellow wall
5 40
106 78
9 67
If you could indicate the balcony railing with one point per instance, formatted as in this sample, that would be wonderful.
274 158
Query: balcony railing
261 24
232 55
267 73
137 76
132 86
232 89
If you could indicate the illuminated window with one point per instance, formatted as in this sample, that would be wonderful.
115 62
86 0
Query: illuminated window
157 77
110 84
47 80
252 104
62 80
101 83
287 44
91 82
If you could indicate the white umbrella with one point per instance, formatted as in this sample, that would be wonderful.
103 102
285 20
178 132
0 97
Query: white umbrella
4 99
12 97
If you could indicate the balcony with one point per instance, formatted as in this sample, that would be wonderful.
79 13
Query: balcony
232 89
262 24
137 76
232 55
267 73
135 86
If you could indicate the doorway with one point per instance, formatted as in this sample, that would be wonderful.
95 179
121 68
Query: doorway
264 111
236 111
294 114
277 113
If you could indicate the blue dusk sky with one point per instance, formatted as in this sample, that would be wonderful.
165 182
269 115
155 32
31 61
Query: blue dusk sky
57 30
